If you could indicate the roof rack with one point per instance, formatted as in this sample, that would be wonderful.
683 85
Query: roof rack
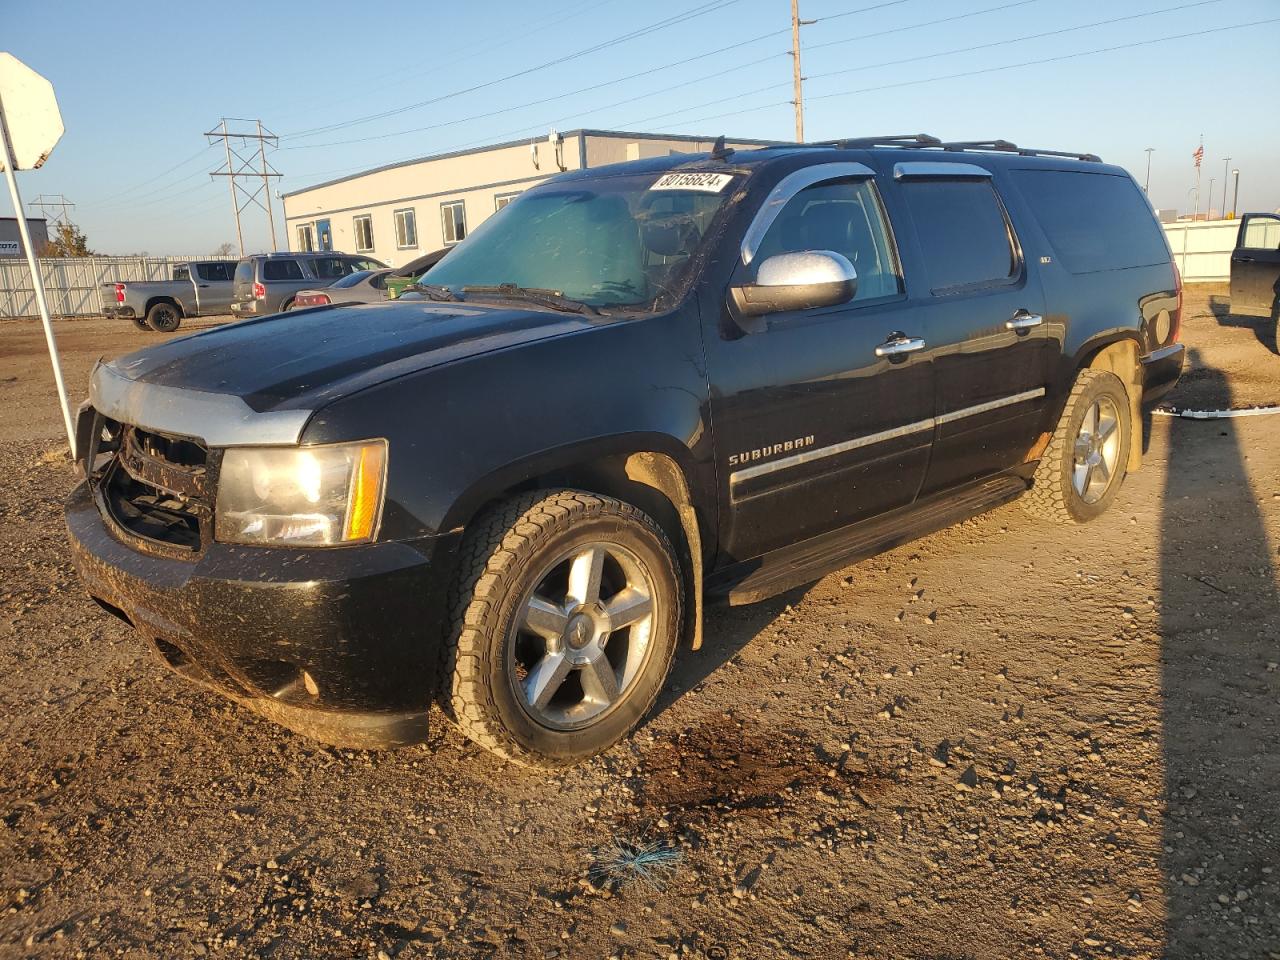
923 141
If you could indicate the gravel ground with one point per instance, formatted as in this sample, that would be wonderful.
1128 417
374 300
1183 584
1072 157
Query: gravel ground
1008 739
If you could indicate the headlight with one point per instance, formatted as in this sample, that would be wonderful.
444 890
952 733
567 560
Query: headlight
310 496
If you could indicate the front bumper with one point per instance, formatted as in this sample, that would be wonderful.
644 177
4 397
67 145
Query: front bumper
1161 370
338 644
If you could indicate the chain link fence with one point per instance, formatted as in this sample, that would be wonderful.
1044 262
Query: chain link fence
77 286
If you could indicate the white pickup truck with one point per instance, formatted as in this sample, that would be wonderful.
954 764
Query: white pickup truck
198 288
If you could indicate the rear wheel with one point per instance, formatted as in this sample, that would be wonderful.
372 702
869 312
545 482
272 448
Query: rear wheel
164 317
287 306
1087 457
566 616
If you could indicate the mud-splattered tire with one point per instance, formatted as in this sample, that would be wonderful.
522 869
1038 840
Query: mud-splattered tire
164 318
1085 463
565 617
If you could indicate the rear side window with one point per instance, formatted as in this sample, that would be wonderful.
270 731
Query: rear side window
181 273
963 231
1261 232
214 271
281 270
350 280
244 271
1094 221
843 216
330 268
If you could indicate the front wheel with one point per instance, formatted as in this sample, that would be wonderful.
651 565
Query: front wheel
566 617
164 318
1087 457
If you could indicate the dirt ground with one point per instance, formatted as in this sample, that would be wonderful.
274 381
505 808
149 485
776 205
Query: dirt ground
1009 739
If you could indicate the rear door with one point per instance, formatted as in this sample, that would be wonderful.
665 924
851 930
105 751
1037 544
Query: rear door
982 311
242 282
214 281
814 428
1255 266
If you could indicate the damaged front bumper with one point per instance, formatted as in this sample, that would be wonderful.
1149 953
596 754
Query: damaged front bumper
340 645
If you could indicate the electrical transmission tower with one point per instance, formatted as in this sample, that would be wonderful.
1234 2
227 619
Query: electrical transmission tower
247 161
53 207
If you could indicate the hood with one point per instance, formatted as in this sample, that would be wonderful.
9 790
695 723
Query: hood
237 379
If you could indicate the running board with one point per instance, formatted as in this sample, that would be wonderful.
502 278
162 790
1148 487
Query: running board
812 559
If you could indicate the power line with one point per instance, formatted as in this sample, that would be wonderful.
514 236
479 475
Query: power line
250 166
701 10
150 180
916 59
987 70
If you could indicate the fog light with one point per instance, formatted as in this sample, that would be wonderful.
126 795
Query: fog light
309 682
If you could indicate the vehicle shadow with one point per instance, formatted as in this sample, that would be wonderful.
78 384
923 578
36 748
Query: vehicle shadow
1219 615
1264 328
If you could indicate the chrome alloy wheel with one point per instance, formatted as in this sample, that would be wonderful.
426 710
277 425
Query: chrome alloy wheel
580 639
1097 450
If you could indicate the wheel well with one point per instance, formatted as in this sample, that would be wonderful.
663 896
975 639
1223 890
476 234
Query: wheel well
1121 358
653 482
169 300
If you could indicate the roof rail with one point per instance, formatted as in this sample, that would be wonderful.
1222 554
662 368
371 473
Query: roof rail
923 141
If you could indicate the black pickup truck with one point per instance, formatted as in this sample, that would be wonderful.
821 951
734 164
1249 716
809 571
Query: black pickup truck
636 386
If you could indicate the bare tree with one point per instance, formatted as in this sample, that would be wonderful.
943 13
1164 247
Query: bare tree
225 250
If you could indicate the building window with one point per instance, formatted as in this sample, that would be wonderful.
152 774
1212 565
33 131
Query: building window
502 199
406 229
306 237
454 218
363 227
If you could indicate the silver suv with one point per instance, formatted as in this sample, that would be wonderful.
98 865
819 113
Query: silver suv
267 283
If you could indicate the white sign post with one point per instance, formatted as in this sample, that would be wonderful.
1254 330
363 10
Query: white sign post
30 127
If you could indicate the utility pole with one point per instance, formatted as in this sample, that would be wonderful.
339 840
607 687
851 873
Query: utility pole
1235 193
250 164
1147 187
797 78
1208 207
1226 164
53 207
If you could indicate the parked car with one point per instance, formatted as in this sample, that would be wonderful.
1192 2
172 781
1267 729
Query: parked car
269 282
363 286
412 271
1255 267
651 382
198 288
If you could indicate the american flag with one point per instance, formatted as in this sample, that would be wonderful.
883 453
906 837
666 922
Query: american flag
1199 154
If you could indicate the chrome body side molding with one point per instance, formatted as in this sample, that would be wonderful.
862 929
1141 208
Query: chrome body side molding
920 426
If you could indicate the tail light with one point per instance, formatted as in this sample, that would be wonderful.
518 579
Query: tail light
119 293
312 300
259 291
1175 321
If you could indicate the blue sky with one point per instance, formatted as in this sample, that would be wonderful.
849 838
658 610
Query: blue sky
138 83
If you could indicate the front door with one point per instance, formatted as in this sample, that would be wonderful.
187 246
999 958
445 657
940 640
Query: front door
1255 266
824 418
324 235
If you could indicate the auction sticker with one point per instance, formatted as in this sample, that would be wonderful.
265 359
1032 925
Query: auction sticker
701 182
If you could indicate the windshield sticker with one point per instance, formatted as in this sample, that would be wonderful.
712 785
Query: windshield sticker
701 182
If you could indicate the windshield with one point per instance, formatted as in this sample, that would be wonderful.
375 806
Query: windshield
623 242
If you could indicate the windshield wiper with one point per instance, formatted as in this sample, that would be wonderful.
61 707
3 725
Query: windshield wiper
433 291
544 298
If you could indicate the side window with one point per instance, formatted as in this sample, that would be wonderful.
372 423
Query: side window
360 264
843 216
181 273
453 218
378 281
363 228
963 232
331 268
213 271
1261 233
500 200
281 270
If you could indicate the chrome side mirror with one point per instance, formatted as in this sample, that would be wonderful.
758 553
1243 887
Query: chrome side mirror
797 281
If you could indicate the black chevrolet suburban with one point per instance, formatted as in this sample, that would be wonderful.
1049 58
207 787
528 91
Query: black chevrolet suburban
636 386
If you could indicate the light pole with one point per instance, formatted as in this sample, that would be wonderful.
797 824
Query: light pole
1208 209
1235 192
1147 187
1226 162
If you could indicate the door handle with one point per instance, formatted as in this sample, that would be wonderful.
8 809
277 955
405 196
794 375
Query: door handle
203 286
899 346
1022 320
1244 259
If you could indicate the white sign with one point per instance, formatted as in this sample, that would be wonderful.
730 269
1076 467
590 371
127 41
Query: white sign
701 182
10 248
30 111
